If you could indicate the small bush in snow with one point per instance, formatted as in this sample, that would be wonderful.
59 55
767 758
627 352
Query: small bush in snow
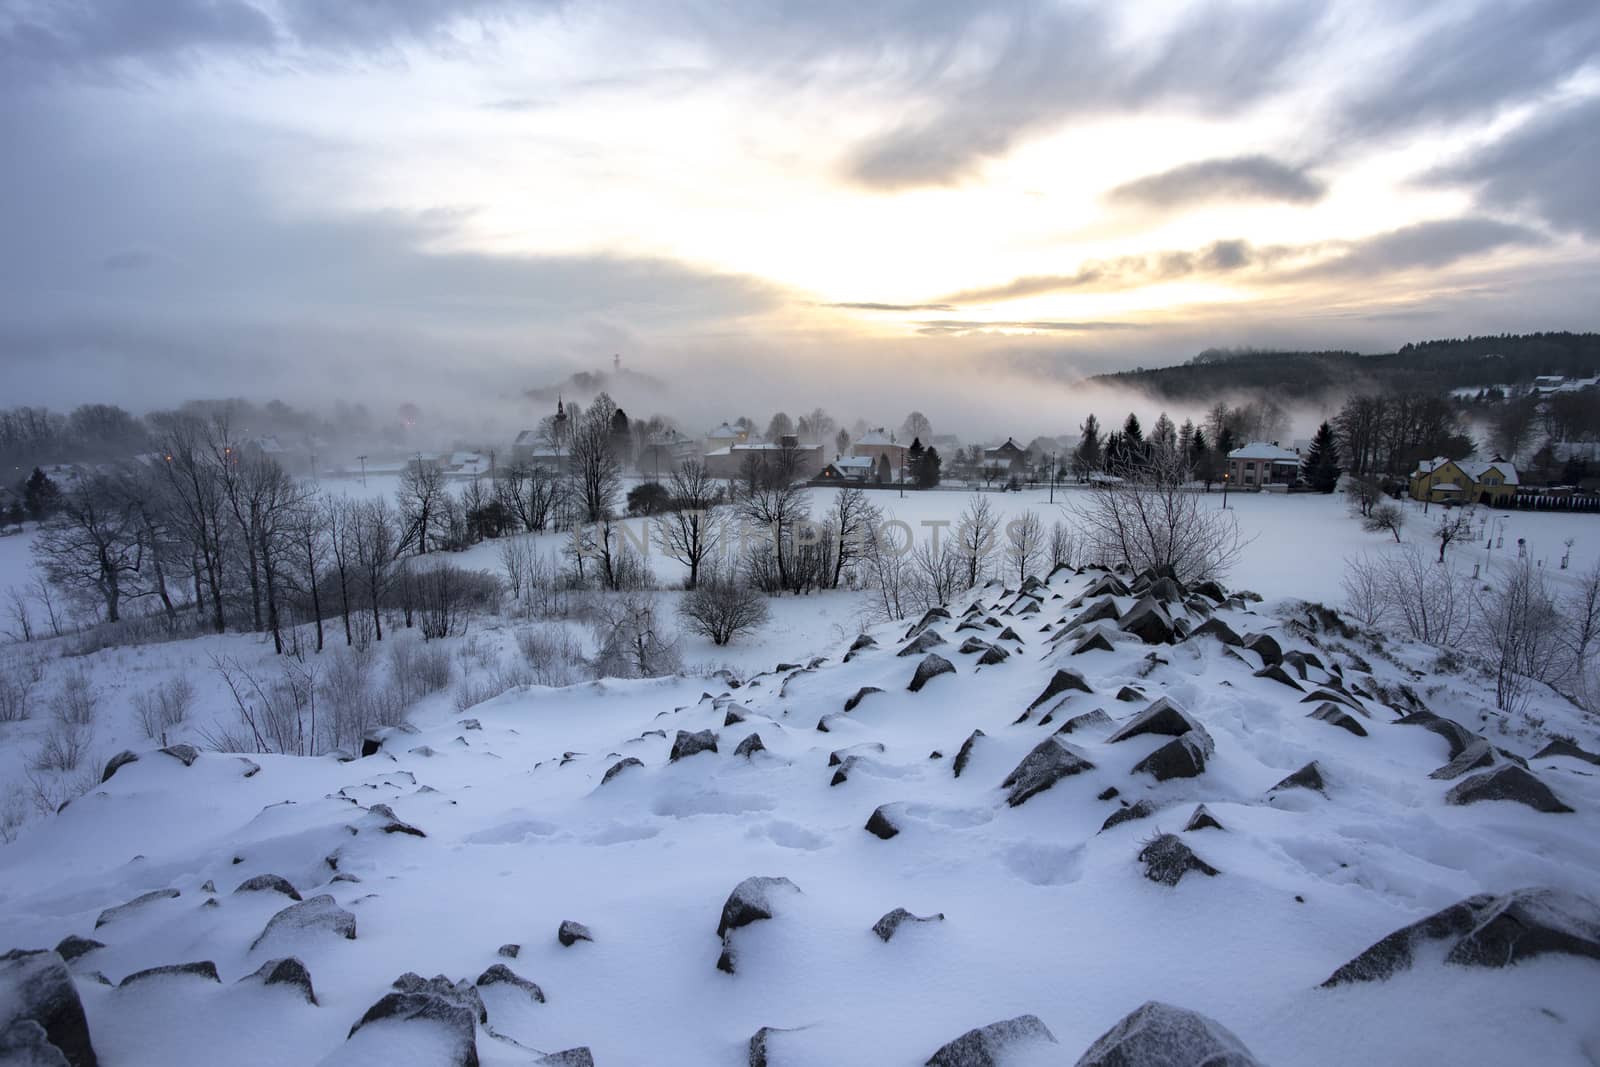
722 608
418 669
64 746
75 703
554 656
164 708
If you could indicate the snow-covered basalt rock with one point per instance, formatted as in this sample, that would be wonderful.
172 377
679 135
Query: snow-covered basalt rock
1050 761
1161 1035
887 926
1486 931
929 669
41 1017
753 900
990 1046
1167 859
1507 782
688 744
320 913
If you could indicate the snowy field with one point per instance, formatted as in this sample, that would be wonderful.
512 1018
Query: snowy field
1044 913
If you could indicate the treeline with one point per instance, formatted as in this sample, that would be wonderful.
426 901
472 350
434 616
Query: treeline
35 436
1429 366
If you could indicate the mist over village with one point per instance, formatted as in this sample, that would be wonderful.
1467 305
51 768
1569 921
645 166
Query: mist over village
771 535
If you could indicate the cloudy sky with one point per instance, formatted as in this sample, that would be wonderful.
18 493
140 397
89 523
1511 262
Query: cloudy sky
796 202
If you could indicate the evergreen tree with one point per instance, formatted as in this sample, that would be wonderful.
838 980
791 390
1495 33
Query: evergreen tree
1116 448
621 437
1202 458
40 495
1320 468
1225 443
1089 457
1164 437
1132 435
928 473
914 456
1186 439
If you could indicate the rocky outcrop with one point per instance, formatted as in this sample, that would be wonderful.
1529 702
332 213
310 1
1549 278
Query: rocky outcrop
1507 782
318 913
929 669
881 823
988 1046
923 642
499 974
1050 761
1140 809
569 933
288 971
688 744
1161 717
1307 777
1060 682
268 883
1486 931
859 695
965 754
886 927
620 766
199 969
752 900
1161 1035
1202 819
1182 757
750 746
137 903
40 1013
1334 715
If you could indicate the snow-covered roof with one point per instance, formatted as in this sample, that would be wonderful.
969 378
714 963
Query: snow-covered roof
527 437
879 436
1265 450
724 431
850 462
1472 468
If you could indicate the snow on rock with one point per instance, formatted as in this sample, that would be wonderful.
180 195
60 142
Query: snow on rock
520 834
993 1045
1161 1035
688 744
1506 782
203 969
1486 931
1167 859
930 668
569 933
1050 761
40 1013
886 927
320 912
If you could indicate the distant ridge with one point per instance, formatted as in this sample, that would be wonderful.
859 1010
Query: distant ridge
1431 366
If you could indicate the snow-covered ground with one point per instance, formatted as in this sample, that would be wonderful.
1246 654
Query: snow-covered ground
1044 913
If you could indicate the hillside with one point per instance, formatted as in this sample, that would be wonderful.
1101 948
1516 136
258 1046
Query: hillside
1121 791
1430 366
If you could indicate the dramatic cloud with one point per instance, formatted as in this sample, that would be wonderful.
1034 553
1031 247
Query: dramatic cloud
1426 245
1128 272
1039 65
1466 61
1549 167
37 39
1240 178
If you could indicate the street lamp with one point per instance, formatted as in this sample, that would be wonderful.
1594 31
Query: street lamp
1224 490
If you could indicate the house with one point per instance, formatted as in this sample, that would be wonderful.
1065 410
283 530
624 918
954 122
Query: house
1009 457
1263 463
805 461
725 436
847 470
1464 481
877 443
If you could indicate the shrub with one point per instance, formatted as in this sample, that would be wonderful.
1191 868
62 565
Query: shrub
418 669
722 608
75 703
164 708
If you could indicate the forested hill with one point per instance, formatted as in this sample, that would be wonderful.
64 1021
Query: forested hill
1428 366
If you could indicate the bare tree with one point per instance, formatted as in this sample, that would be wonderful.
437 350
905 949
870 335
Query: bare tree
1581 635
164 708
1517 629
851 521
936 571
1152 519
373 538
1063 545
688 531
632 641
774 505
1430 600
1452 527
1387 517
721 608
976 533
595 472
93 545
529 493
1363 493
195 507
1025 543
1366 596
422 495
22 621
888 572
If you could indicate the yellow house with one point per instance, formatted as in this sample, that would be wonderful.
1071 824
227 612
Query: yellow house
1442 480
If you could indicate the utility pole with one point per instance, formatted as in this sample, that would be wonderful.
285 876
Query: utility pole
363 460
1052 477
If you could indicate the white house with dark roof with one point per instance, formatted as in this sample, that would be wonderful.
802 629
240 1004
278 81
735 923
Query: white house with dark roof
1262 463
